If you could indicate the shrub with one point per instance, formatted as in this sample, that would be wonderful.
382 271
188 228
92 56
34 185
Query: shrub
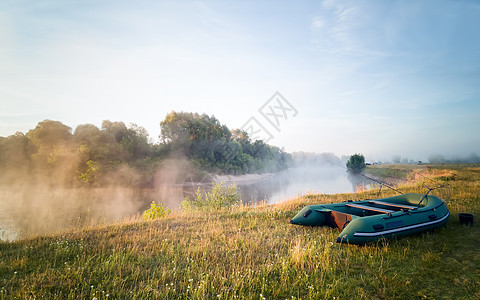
356 163
219 197
156 211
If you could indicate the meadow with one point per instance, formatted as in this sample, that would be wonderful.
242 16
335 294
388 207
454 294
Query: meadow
249 252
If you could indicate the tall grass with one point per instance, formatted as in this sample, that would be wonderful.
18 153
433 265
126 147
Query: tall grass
250 253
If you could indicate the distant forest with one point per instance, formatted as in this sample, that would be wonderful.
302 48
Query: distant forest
117 154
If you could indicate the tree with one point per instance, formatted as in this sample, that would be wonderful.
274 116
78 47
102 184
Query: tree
50 134
116 129
356 163
182 127
15 155
53 141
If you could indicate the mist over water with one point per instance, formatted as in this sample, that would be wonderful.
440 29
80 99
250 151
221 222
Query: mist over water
301 181
32 209
39 209
36 210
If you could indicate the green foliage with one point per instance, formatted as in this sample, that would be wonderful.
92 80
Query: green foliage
220 196
156 211
51 154
356 163
50 134
92 169
16 151
217 149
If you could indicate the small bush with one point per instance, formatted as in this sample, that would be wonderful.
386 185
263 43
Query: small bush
220 196
156 211
356 163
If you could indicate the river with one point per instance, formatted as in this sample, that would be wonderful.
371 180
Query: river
297 182
31 210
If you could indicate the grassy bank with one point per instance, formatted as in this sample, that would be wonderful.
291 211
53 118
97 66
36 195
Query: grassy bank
255 253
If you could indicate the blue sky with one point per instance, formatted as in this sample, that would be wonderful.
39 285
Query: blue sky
375 77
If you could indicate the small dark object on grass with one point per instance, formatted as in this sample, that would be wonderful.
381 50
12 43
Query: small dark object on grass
466 219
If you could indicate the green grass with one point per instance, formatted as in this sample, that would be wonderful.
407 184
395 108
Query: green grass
250 252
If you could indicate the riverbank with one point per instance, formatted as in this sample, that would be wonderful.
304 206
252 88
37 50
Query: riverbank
253 252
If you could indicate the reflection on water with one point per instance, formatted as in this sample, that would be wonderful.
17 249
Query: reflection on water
32 210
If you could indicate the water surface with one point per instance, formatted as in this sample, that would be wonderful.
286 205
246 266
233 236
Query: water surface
297 182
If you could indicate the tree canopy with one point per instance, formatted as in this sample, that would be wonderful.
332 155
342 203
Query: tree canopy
215 148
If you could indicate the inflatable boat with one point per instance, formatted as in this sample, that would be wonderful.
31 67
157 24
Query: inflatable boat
369 220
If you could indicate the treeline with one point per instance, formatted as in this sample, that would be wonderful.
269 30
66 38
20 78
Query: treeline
212 146
117 154
440 159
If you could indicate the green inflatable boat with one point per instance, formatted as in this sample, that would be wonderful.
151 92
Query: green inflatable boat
369 220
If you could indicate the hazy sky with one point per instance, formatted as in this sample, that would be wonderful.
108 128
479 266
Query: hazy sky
376 77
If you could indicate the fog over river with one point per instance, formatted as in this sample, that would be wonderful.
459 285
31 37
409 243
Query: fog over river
28 210
297 182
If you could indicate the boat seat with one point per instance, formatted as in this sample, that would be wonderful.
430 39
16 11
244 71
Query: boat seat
393 204
381 210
